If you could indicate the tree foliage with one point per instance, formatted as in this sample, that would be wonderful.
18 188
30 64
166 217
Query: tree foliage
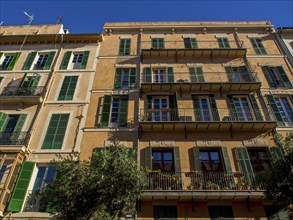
280 184
103 189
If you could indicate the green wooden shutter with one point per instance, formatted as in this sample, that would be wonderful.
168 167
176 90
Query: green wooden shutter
177 159
275 109
147 74
23 81
49 60
256 109
277 153
148 160
13 61
29 61
65 60
34 81
193 43
196 158
214 109
4 118
244 160
174 107
149 102
132 78
117 80
68 88
20 189
56 131
291 98
106 111
196 74
1 54
284 77
187 43
268 77
234 114
196 108
230 74
170 74
85 58
226 160
123 110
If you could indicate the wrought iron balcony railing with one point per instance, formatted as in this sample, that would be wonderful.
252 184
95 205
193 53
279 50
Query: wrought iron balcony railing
14 138
23 91
206 181
206 77
206 115
193 46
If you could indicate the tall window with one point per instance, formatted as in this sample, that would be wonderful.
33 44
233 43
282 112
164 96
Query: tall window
276 77
242 109
159 75
202 110
190 43
211 160
285 110
41 61
124 48
74 60
125 78
114 112
44 177
258 46
158 43
68 88
163 160
7 60
223 42
259 159
56 131
161 106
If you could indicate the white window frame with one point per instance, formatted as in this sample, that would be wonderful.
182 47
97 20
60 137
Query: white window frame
3 59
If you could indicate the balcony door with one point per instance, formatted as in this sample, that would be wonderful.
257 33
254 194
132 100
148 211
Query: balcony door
285 110
159 76
243 112
202 110
161 109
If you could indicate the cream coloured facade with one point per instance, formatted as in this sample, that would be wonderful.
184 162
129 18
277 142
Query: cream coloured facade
198 101
45 93
207 98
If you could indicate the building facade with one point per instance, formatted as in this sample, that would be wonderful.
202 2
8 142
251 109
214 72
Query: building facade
285 37
46 75
199 101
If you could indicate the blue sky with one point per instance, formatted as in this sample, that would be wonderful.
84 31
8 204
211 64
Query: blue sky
89 16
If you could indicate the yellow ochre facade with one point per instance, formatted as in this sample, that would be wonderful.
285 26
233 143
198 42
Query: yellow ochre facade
198 101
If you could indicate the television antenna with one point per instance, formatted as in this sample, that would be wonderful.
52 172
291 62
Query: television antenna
59 20
30 17
1 23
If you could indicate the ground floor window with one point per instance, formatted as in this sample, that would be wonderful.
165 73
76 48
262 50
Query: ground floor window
220 211
165 212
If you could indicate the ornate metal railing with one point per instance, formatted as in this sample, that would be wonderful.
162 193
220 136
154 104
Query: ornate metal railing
206 115
206 77
14 138
23 91
198 45
209 181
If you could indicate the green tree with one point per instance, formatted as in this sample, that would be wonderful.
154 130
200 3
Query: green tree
279 187
103 189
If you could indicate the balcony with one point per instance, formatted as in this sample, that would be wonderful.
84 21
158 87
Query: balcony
201 185
209 81
185 119
205 49
26 95
14 142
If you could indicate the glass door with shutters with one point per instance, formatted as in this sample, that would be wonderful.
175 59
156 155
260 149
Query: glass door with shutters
161 109
203 111
236 74
243 112
124 78
285 110
159 76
